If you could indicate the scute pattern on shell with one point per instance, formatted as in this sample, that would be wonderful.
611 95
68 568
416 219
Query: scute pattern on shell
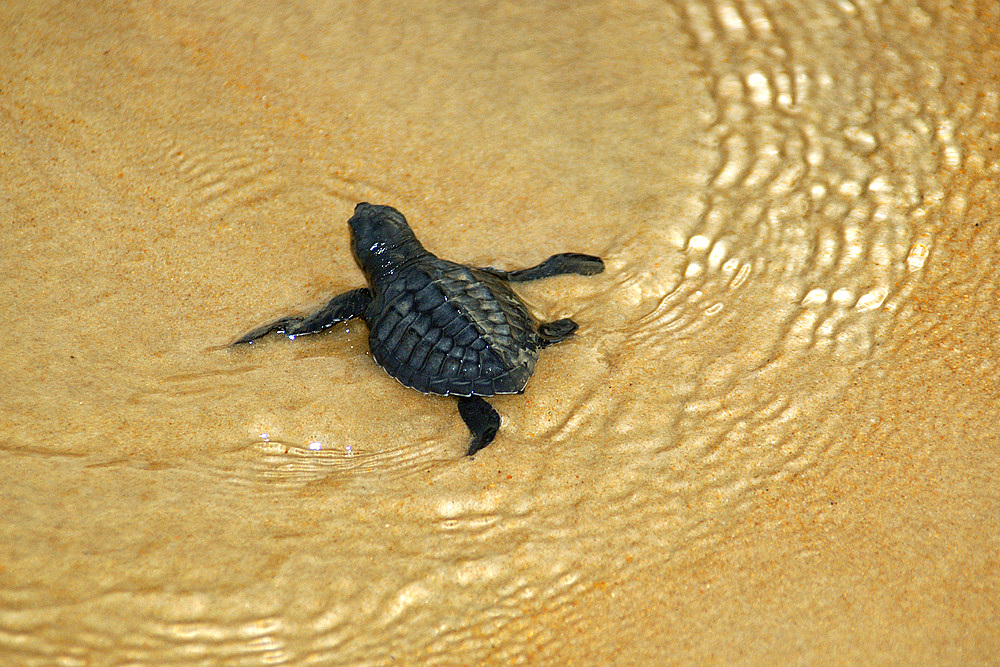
443 328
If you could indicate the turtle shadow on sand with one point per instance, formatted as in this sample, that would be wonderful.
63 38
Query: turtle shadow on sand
437 326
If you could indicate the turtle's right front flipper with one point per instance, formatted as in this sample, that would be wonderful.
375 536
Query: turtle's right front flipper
341 307
556 265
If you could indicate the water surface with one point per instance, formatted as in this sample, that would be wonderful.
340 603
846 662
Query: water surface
776 425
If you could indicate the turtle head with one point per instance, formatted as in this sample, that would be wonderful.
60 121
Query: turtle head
381 238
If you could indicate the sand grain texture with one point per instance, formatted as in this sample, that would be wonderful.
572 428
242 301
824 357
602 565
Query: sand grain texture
774 437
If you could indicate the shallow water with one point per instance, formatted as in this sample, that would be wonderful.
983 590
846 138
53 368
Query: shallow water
773 436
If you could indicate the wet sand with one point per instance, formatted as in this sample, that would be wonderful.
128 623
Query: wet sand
773 438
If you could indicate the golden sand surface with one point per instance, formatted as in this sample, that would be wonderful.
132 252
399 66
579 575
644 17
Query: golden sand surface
776 435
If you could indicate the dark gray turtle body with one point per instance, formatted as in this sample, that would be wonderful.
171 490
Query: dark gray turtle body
437 326
443 328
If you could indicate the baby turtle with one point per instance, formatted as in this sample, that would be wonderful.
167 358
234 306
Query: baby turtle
437 326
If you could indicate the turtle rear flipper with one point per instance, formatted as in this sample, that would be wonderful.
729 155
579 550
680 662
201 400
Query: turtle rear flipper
483 421
556 265
341 307
551 333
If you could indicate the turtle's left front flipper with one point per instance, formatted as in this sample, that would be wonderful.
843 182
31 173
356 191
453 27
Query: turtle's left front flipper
556 265
483 421
340 308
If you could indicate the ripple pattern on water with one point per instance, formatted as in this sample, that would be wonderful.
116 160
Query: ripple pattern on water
844 142
831 179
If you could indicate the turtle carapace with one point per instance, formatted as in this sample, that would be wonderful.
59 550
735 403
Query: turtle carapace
437 326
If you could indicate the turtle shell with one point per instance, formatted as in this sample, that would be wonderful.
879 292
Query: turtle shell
447 329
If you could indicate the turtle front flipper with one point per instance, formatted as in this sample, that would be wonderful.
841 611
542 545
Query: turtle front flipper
556 265
341 307
483 421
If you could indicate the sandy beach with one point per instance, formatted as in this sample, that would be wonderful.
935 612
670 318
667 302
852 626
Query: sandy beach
774 437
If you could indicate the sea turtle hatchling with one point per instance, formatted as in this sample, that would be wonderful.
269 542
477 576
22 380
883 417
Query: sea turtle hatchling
437 326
